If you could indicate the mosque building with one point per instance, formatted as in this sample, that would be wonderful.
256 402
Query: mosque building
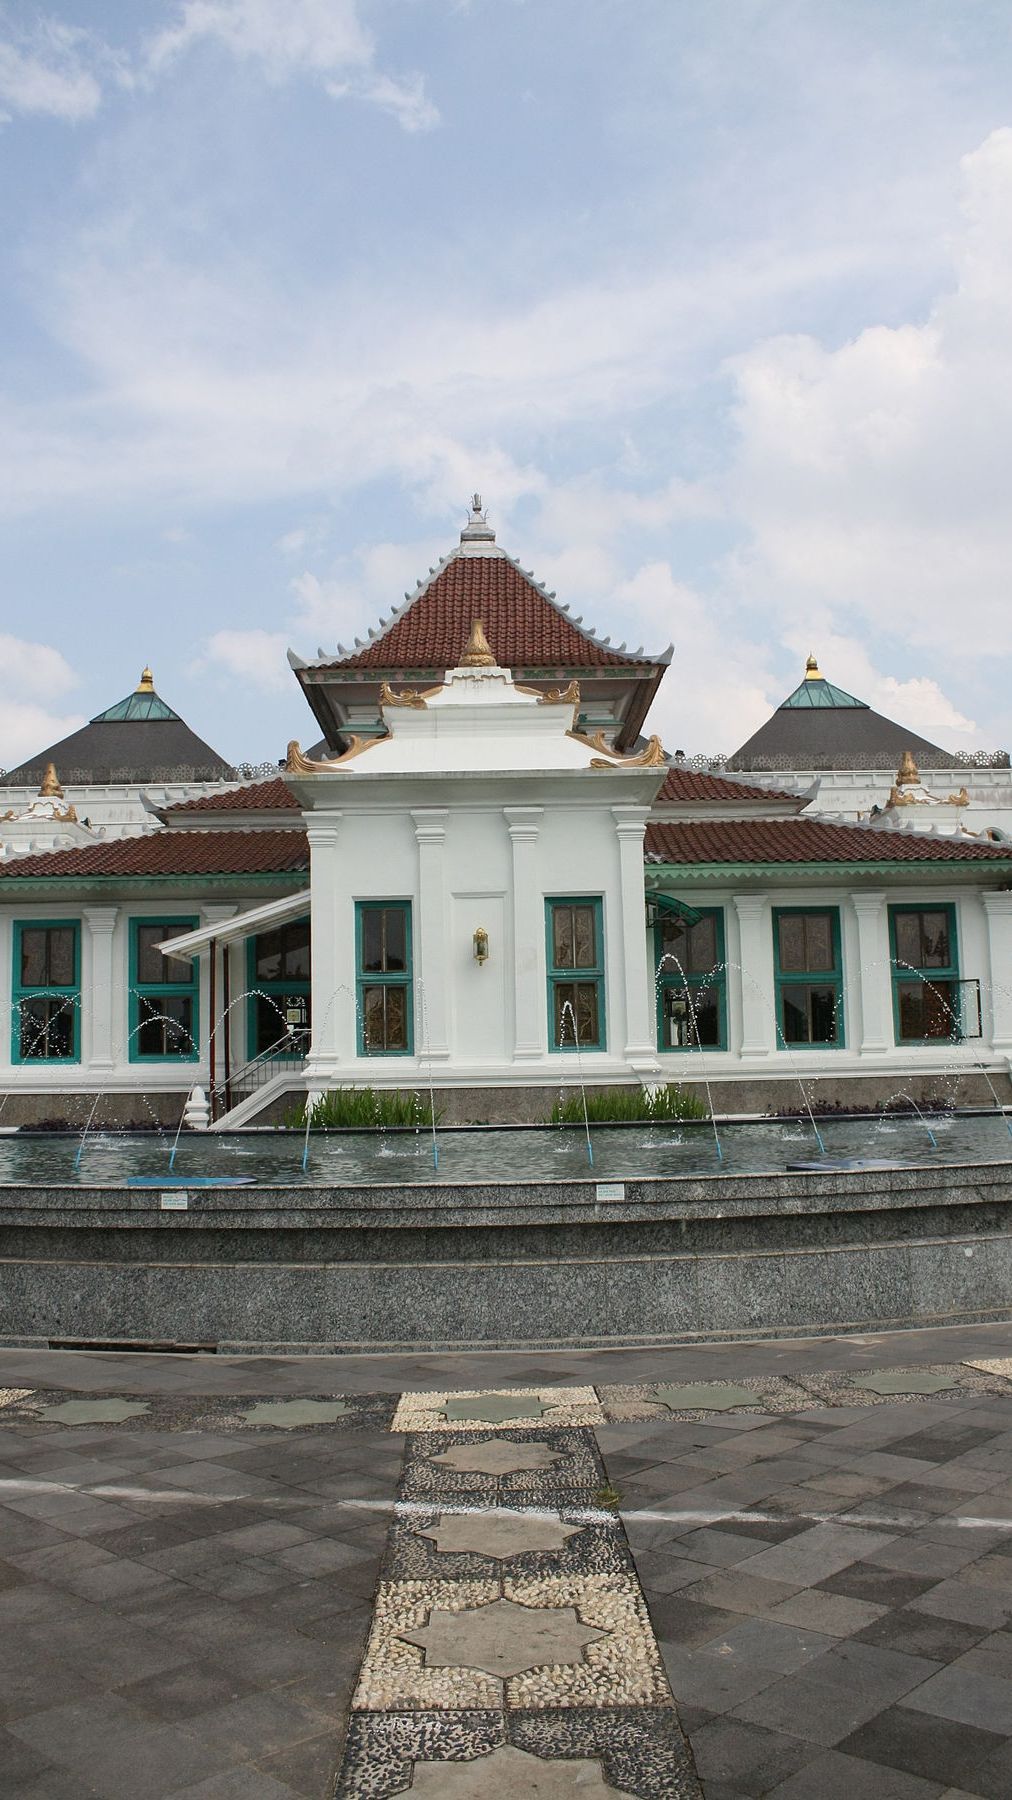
489 877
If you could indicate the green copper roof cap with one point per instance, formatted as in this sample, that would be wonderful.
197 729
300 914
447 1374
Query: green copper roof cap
816 691
143 703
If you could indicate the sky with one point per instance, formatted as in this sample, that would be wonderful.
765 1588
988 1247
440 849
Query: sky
711 302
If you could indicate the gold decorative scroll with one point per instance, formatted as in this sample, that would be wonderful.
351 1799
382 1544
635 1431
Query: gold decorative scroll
960 799
298 764
651 758
407 697
569 696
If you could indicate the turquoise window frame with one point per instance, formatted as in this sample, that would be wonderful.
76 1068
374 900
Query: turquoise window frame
556 977
672 980
785 979
162 990
901 974
370 978
50 992
273 989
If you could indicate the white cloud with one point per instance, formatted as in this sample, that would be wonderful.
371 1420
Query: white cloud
256 657
872 478
51 70
322 39
36 674
35 670
26 729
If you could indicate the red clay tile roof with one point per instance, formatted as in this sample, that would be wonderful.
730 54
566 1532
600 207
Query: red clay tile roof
260 796
806 841
525 629
171 853
698 784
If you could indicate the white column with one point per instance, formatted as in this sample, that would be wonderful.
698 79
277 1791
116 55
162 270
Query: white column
875 974
99 991
758 1001
630 827
327 920
6 989
429 957
529 1002
212 1004
998 911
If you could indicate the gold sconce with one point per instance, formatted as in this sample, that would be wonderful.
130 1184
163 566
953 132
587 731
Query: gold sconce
480 945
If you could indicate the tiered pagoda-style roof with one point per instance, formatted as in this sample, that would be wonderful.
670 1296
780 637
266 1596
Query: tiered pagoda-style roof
820 726
530 632
139 739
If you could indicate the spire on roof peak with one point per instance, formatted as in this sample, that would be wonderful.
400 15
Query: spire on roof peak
146 684
812 670
50 789
478 653
477 530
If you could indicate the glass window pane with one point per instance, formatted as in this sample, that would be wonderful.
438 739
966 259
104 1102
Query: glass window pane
296 951
907 926
165 1025
566 1022
61 955
47 1029
792 943
702 946
34 961
818 941
396 943
794 1015
154 969
268 956
927 1009
584 937
586 1011
822 1014
674 942
373 1020
935 940
372 939
396 1018
562 937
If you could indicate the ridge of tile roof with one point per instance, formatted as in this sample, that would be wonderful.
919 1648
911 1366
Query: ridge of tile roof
526 625
805 841
170 853
258 796
700 784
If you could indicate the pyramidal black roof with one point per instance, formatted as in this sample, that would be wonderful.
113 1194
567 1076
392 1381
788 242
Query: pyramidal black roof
820 726
138 739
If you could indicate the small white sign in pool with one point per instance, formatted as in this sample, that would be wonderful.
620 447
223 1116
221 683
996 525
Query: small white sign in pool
174 1200
611 1190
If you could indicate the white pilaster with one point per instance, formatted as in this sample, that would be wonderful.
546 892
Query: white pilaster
212 1002
874 974
758 1002
6 988
998 911
524 826
99 992
430 960
630 827
327 891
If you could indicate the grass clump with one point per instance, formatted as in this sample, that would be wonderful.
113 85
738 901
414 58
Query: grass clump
618 1106
363 1109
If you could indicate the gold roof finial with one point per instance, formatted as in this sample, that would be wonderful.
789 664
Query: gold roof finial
812 670
146 684
478 654
50 789
908 774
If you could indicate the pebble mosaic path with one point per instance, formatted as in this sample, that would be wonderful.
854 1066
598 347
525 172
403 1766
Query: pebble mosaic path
771 1581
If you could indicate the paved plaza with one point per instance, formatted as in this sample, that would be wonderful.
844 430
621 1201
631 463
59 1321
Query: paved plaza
718 1572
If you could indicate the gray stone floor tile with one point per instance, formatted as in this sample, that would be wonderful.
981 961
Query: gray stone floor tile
244 1783
738 1592
991 1656
971 1605
836 1777
256 1726
710 1681
841 1690
815 1555
937 1749
679 1621
920 1634
308 1768
745 1756
769 1644
834 1614
968 1696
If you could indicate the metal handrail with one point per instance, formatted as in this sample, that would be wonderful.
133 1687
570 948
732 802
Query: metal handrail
288 1053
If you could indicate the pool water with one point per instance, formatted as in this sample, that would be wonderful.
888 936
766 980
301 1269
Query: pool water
347 1159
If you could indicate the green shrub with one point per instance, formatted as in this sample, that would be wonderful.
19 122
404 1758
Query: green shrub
611 1106
365 1109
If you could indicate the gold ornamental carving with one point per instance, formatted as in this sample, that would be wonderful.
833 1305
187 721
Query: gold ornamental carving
652 757
568 696
406 697
478 651
298 764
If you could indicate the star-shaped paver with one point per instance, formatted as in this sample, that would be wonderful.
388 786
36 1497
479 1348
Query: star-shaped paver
290 1414
94 1412
499 1534
704 1396
497 1456
903 1381
493 1409
502 1638
513 1772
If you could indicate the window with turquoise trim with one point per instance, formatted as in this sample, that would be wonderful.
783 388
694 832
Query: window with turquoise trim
576 1017
809 975
46 991
164 994
689 959
383 955
925 973
277 976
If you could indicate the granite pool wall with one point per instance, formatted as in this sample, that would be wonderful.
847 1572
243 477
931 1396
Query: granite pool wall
657 1260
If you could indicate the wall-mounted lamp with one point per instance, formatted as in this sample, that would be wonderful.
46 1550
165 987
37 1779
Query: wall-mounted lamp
480 941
